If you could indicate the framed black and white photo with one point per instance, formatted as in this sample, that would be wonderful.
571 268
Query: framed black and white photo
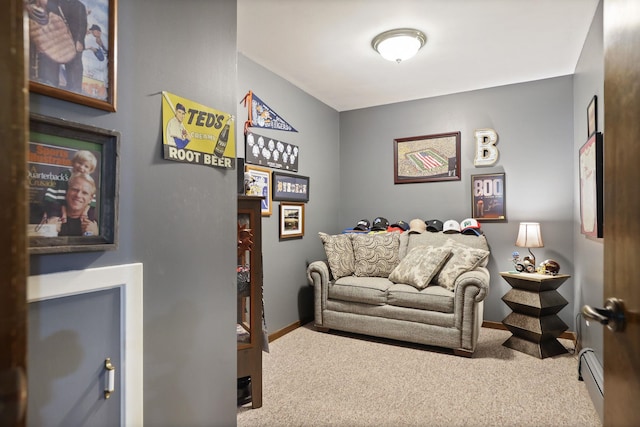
289 187
73 186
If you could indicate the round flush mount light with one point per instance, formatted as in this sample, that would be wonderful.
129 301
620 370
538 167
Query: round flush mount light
400 44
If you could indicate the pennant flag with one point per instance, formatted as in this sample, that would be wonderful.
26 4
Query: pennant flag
262 116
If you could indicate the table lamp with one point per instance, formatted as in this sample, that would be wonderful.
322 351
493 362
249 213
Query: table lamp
529 236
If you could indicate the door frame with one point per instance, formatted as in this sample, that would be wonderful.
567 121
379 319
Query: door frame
128 278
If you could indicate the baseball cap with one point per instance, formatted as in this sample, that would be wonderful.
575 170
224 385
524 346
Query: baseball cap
469 223
380 224
434 225
400 224
451 226
363 225
95 27
417 226
473 231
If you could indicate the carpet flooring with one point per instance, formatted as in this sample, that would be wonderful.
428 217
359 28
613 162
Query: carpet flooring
313 378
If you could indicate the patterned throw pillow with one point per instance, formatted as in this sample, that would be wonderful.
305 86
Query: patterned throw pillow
339 254
463 258
419 266
376 255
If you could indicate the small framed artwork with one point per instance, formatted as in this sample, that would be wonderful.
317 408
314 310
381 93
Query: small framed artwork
427 158
259 184
591 187
73 187
288 187
72 51
291 220
592 117
487 197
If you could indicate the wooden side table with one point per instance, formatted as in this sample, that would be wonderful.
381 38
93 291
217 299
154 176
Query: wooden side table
534 322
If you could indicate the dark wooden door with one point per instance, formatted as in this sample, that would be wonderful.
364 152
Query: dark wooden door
622 207
13 215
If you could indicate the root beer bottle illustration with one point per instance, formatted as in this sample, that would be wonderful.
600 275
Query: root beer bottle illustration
222 140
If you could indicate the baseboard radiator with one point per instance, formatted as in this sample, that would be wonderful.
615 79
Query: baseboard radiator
590 371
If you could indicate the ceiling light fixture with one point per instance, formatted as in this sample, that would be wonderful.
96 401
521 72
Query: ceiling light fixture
400 44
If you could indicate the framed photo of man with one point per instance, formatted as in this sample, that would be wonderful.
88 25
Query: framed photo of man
72 50
73 186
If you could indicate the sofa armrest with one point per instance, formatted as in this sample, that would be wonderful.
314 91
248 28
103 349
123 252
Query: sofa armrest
319 276
318 273
472 288
478 277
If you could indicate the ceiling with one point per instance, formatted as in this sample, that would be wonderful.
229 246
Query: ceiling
324 46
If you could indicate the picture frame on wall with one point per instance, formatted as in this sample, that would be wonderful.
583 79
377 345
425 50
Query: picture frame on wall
488 197
73 51
591 164
427 158
291 220
73 186
592 116
259 184
290 187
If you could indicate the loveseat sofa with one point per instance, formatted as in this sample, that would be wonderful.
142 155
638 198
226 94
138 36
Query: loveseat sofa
426 288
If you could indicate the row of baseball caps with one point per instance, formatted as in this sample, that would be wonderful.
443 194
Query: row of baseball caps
466 226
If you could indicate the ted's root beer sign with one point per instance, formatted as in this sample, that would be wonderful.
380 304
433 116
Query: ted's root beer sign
194 133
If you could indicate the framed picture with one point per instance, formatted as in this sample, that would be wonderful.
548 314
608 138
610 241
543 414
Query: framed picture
291 220
592 117
72 50
73 187
265 151
427 158
259 184
288 187
591 187
487 197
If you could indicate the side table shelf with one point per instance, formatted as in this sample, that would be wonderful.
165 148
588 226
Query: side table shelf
534 322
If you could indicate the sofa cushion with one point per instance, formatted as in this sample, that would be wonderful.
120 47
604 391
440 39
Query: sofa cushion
463 258
420 265
366 290
339 252
410 241
432 298
376 255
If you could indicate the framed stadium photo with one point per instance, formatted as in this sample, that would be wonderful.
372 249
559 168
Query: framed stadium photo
427 158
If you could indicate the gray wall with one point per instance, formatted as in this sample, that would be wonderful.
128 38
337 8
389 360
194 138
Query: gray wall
588 255
177 219
534 122
287 296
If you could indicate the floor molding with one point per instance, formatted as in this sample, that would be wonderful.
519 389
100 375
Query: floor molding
568 335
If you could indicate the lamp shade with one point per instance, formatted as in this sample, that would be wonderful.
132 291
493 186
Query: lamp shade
399 45
529 235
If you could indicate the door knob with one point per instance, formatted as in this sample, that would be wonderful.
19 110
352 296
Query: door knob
611 315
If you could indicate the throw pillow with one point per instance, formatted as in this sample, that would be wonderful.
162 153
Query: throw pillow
463 258
420 265
339 254
376 255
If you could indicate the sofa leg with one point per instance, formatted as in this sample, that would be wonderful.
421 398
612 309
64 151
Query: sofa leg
321 329
462 352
